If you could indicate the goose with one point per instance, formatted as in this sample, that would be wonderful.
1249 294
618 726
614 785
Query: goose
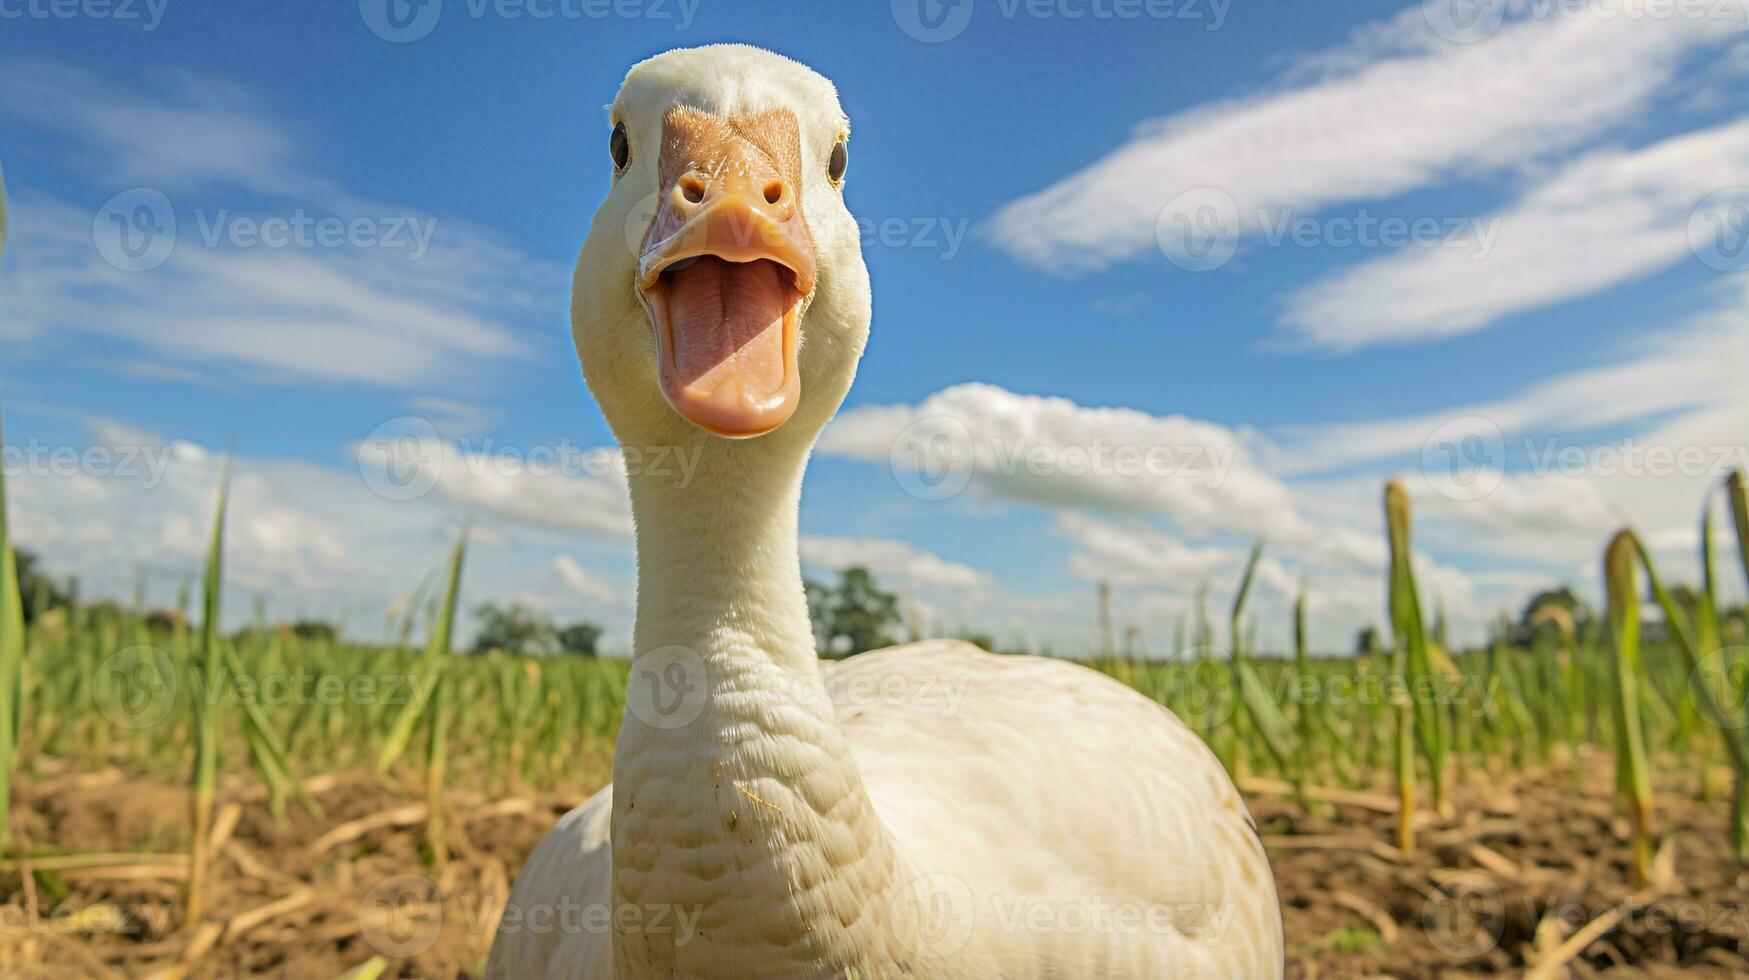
927 811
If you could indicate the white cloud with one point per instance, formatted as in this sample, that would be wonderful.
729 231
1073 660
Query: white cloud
891 560
313 540
581 582
582 491
205 130
1693 367
282 315
384 296
1203 476
1607 218
1394 112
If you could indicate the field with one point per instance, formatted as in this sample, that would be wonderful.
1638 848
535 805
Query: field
182 802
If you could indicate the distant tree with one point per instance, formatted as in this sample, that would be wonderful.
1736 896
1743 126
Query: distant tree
819 596
1366 642
1559 610
854 616
315 630
580 638
514 629
40 593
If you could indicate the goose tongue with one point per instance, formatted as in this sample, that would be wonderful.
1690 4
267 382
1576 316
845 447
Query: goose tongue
730 364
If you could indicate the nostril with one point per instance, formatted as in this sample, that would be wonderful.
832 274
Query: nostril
692 188
774 192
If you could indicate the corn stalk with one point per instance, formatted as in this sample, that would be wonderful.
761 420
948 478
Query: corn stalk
1264 714
401 730
1632 770
442 710
208 702
1418 716
11 653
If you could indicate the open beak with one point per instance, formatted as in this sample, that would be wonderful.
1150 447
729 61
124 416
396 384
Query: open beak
725 273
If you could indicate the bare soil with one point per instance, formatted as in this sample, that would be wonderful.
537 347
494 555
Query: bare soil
309 897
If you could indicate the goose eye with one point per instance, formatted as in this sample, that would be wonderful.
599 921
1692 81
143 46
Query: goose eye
840 160
621 147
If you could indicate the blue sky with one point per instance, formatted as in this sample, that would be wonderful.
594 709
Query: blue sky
1518 238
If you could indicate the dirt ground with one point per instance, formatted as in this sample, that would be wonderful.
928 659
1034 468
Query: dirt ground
314 898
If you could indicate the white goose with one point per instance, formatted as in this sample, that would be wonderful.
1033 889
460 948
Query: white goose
922 811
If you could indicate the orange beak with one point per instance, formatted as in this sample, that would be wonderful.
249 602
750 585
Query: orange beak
725 272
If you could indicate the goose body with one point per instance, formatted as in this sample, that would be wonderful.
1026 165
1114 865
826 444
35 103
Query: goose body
927 811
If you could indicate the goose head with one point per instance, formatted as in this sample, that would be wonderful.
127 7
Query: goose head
721 295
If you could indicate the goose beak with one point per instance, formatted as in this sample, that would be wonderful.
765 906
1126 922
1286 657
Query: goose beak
725 273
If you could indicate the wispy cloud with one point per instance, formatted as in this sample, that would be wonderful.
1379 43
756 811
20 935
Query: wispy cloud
1693 367
254 260
1602 220
891 560
1397 110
